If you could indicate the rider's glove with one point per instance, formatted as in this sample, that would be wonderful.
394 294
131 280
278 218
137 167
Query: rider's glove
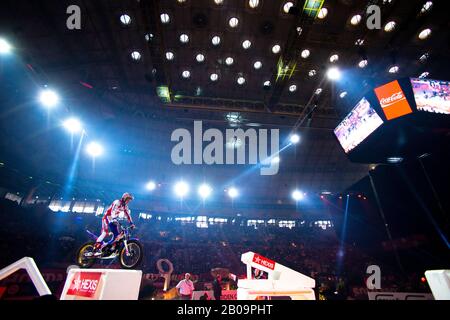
132 226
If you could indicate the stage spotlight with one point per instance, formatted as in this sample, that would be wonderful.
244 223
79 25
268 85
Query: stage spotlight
5 47
73 125
394 159
94 149
295 138
271 160
48 98
181 189
204 191
334 74
151 186
297 195
233 193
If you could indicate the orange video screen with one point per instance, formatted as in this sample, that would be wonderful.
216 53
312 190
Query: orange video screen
393 100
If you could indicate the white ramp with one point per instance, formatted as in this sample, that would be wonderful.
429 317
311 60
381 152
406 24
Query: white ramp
439 282
282 281
33 272
102 284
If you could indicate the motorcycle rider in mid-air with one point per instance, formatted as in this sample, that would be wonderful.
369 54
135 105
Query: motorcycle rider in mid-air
110 223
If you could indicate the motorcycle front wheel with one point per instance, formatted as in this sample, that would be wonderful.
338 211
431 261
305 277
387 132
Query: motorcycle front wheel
134 256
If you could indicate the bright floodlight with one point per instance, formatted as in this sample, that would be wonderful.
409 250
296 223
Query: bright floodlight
204 191
275 160
233 22
49 98
253 3
424 34
181 189
276 48
125 19
5 47
246 44
233 193
214 77
73 125
334 74
297 195
215 40
200 57
295 138
395 159
356 19
186 74
151 186
322 13
305 53
94 149
165 18
135 55
169 55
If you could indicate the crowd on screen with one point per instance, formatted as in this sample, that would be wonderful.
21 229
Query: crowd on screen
52 239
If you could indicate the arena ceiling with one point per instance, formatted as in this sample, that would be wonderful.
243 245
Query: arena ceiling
96 63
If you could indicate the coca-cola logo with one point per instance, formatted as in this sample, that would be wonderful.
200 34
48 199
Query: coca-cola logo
394 98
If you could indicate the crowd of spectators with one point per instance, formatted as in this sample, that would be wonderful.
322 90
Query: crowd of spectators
52 239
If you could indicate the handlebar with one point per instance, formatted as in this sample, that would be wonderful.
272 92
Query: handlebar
122 227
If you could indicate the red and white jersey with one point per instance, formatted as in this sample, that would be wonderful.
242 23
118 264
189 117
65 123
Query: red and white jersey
117 210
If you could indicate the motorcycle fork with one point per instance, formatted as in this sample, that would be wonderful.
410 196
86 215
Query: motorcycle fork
126 247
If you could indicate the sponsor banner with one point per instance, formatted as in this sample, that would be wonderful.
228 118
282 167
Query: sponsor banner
399 296
393 100
173 277
84 284
263 261
2 291
228 295
209 295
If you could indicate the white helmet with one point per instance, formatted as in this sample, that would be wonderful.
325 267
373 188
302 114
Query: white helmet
126 196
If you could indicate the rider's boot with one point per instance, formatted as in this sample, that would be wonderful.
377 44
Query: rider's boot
97 248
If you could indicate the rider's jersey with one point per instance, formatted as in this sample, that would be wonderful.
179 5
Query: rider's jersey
116 211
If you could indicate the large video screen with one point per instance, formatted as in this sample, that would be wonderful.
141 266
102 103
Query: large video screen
357 125
432 95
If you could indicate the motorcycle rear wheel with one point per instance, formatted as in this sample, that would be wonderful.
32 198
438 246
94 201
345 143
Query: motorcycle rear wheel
82 260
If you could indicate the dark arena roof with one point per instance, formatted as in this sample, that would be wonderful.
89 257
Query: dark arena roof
136 73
